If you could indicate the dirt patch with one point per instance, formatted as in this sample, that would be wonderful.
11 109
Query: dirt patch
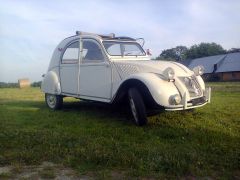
46 170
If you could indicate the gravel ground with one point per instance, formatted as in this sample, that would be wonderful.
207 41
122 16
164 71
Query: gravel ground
46 170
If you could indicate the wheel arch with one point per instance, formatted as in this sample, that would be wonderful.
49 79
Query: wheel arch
51 83
122 92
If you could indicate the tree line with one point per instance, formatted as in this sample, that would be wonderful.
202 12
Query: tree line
15 85
181 53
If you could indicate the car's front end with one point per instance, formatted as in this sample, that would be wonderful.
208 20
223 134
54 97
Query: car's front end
192 92
171 84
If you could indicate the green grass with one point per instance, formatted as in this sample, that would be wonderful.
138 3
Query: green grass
6 175
94 138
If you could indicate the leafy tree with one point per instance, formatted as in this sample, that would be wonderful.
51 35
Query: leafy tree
174 54
8 85
36 84
180 53
204 50
15 85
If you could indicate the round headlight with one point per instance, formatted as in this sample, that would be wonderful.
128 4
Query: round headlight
175 99
169 73
201 70
198 71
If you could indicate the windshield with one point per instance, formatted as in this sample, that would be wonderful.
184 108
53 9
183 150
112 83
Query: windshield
123 48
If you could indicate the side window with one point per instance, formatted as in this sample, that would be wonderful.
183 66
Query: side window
132 49
71 54
115 49
92 51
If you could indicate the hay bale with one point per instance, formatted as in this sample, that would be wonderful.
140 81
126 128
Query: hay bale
24 83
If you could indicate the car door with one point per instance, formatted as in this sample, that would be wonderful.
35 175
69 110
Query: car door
95 72
69 68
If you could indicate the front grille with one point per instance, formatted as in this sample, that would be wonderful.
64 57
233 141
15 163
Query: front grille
193 86
198 101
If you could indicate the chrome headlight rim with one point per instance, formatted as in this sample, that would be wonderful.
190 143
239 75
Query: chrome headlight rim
175 99
169 73
198 70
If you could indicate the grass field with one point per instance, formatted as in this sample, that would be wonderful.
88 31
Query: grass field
98 140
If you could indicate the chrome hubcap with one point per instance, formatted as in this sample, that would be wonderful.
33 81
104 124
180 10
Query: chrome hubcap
133 108
51 100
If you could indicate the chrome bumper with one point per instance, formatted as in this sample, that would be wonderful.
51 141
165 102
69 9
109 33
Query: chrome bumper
194 103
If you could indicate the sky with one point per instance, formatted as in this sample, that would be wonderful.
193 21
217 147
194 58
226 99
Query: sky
30 30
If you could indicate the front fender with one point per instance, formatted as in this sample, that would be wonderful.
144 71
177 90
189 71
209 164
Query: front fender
51 83
161 90
201 82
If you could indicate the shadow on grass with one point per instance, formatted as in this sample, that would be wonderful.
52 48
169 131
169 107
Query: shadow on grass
102 110
81 108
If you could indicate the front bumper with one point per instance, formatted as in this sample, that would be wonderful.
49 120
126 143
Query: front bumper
193 103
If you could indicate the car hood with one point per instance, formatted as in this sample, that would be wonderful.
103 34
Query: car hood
126 68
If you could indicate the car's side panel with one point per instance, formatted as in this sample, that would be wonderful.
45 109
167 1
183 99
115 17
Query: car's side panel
69 78
69 68
95 80
116 80
51 83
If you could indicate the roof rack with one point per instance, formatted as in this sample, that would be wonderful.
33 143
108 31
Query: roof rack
108 36
111 35
124 38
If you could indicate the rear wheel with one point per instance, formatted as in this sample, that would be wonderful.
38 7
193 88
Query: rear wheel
54 101
137 106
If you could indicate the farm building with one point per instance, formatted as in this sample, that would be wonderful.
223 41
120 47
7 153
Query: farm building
23 83
224 67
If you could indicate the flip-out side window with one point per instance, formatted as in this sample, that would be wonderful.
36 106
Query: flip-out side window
71 54
92 51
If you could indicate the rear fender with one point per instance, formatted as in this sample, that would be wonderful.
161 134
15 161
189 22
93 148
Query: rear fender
51 83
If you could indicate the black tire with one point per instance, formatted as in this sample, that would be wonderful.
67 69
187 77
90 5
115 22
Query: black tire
137 107
54 101
190 110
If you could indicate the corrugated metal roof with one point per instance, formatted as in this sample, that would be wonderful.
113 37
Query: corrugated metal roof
230 63
185 62
206 62
225 63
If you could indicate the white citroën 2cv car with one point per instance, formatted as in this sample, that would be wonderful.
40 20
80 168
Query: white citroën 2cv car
109 69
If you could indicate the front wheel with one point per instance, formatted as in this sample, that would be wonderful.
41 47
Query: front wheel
137 107
54 101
